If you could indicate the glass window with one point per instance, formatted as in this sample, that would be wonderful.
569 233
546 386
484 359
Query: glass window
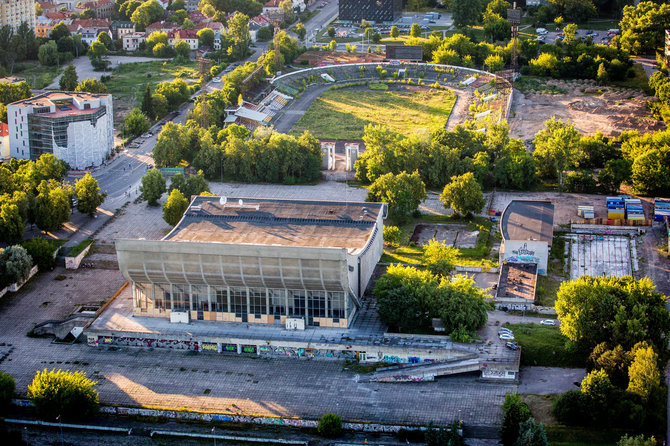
200 298
162 296
336 307
141 290
317 303
277 302
296 303
238 301
257 301
180 298
220 300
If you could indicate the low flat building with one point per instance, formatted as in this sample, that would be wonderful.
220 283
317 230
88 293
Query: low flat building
378 11
76 127
527 229
253 260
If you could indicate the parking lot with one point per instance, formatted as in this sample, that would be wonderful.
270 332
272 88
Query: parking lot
553 36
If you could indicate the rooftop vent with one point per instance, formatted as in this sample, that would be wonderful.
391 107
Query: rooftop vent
223 201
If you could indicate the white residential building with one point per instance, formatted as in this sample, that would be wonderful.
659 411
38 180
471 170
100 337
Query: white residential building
131 41
15 12
76 127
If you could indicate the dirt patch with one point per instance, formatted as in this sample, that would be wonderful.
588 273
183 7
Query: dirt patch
610 110
540 408
447 234
318 58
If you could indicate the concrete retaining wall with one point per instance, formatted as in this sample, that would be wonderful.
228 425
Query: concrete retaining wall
74 262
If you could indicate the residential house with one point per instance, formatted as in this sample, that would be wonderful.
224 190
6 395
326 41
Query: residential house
189 36
119 29
131 41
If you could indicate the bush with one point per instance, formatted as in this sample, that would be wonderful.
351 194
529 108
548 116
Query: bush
570 408
42 252
69 395
15 265
7 387
392 236
330 425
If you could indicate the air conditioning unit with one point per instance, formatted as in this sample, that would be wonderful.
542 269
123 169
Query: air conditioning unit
295 323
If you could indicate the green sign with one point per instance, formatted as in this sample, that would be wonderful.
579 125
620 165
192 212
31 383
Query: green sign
172 170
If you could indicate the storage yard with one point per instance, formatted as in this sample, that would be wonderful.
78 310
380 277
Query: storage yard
599 255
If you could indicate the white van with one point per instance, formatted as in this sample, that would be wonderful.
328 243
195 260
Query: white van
541 31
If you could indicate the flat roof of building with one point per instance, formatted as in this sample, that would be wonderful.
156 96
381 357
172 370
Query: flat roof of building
48 98
518 281
528 220
261 221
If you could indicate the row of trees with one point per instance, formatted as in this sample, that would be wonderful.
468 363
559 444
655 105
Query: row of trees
624 325
34 192
408 299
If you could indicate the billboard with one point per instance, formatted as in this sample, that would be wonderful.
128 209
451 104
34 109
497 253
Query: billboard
514 16
404 52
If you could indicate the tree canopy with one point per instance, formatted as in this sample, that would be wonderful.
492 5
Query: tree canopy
403 193
463 194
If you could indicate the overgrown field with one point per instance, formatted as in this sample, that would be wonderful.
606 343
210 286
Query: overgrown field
343 114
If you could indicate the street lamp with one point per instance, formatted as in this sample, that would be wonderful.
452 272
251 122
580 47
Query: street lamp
213 434
60 425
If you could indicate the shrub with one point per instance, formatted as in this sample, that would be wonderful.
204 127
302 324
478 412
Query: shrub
570 408
15 265
392 235
7 387
330 425
42 253
68 394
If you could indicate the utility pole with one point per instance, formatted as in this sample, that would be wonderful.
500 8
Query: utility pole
514 18
203 67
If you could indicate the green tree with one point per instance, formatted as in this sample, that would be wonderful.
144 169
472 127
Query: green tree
182 49
159 104
300 30
48 53
466 12
97 49
531 434
403 193
88 195
602 75
12 225
147 102
333 45
174 207
206 37
643 373
559 21
7 387
41 251
330 426
614 363
642 26
439 258
59 31
135 123
614 173
238 35
69 395
569 33
69 80
15 264
91 86
171 146
331 32
153 186
147 13
619 310
52 205
155 38
556 148
463 194
87 14
395 32
415 30
650 173
515 412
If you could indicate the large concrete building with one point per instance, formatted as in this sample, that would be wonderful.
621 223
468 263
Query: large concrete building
75 127
289 262
527 229
15 12
378 11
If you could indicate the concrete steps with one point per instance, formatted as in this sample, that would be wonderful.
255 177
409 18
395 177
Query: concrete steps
427 371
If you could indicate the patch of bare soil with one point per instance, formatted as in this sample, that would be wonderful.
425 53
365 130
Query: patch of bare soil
610 110
540 408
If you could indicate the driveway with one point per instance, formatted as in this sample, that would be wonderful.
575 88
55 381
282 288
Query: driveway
549 380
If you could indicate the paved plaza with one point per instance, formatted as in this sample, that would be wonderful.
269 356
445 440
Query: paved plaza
211 382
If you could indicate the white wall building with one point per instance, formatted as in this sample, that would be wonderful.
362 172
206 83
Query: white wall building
131 41
75 127
14 12
527 229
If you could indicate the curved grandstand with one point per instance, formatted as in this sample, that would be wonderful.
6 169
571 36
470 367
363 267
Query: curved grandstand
491 94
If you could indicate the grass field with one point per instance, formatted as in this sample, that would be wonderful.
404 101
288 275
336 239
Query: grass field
37 75
128 81
343 114
543 345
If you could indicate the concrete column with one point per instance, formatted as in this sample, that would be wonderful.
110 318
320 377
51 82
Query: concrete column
267 302
248 303
228 295
239 349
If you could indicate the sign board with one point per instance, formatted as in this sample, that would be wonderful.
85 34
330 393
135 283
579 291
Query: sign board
295 323
514 16
405 52
171 170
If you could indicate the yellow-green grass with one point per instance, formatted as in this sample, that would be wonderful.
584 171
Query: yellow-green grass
343 114
37 75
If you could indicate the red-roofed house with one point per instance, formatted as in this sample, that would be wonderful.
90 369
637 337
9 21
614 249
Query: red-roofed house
161 26
49 7
189 36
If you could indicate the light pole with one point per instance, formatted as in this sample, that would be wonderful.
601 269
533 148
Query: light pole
214 428
60 425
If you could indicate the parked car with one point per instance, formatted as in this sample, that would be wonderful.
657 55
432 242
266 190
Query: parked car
506 336
548 322
512 345
504 330
216 79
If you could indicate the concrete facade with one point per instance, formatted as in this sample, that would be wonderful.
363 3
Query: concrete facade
75 127
259 261
15 12
527 229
